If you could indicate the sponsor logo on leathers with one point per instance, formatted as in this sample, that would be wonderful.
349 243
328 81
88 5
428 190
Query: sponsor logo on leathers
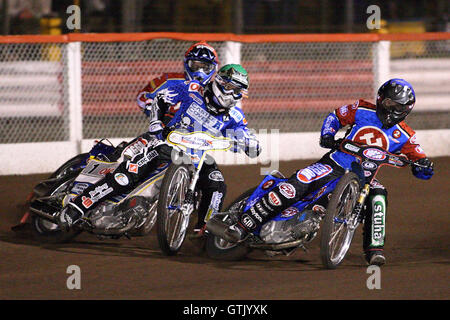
96 194
378 220
261 209
87 202
374 154
319 209
216 200
267 184
369 165
135 148
287 190
266 205
395 161
350 147
419 149
396 134
121 179
343 111
132 167
216 176
247 221
314 172
371 136
79 187
147 158
255 214
273 199
289 212
205 118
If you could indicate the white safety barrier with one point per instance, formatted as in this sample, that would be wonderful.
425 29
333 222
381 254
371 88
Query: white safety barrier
58 93
32 158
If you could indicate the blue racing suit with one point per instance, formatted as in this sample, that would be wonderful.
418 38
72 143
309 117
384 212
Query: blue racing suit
183 100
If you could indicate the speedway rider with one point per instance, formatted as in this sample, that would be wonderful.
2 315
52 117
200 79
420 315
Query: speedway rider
201 64
213 110
382 125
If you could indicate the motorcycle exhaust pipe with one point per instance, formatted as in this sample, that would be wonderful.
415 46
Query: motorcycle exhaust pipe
217 227
43 210
44 215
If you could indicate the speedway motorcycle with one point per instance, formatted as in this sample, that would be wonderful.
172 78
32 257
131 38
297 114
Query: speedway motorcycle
284 233
168 196
124 215
179 197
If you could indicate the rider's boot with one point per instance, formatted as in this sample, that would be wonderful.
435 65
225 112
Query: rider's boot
375 256
68 216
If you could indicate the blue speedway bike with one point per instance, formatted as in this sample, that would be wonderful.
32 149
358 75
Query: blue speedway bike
284 234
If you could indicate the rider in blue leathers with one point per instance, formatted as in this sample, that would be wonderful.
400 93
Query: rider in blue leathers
201 64
382 125
212 109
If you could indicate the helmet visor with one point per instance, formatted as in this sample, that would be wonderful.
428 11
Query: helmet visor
396 108
231 87
198 65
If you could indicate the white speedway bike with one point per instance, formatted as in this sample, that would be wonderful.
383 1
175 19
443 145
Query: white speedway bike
167 197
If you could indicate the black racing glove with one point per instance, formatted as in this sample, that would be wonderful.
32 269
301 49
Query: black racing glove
327 141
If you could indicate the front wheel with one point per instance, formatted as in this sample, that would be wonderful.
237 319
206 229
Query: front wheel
171 221
340 221
219 249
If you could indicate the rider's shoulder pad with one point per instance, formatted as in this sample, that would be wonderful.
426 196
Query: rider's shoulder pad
365 104
410 132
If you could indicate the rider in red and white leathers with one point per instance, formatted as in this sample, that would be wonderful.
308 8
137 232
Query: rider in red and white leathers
382 125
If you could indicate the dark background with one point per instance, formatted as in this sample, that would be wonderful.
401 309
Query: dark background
237 16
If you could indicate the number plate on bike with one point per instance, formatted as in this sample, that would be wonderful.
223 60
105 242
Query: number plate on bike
198 141
95 170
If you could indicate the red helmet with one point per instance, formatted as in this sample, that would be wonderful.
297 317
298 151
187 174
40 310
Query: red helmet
200 62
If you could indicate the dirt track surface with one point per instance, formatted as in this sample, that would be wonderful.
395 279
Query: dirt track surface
417 251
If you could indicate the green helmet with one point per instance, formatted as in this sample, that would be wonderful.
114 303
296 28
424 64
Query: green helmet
229 86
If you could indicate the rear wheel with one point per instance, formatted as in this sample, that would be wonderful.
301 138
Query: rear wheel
340 221
220 249
171 221
46 231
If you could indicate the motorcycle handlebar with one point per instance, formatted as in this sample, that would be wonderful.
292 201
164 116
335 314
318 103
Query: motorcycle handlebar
338 142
